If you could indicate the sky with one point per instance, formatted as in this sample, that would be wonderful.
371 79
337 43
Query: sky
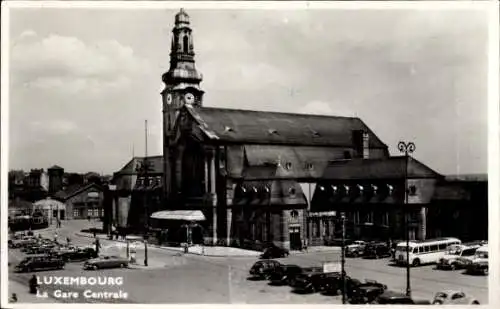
83 81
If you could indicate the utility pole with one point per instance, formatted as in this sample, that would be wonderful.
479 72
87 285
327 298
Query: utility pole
342 217
146 180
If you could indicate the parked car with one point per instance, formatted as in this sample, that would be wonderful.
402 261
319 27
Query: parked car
398 298
22 242
479 263
311 282
77 254
377 250
335 286
284 274
44 262
355 249
454 253
110 261
274 252
367 292
263 269
453 298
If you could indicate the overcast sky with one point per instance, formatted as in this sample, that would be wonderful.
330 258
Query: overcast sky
82 81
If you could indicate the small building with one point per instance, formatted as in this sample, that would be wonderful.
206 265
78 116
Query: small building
82 201
51 209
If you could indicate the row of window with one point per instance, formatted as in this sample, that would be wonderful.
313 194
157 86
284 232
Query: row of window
360 189
92 212
355 217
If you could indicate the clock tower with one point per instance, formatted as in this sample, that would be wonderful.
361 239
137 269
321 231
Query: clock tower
182 86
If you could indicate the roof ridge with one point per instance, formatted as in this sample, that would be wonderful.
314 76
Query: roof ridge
274 112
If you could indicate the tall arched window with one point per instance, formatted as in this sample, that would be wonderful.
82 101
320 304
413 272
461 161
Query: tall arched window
185 43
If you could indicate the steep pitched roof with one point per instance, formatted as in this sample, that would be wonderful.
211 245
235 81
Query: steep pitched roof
386 168
156 163
72 190
262 127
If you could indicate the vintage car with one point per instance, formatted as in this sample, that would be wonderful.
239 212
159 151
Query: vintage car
274 252
311 282
366 292
355 249
38 263
398 298
337 242
22 242
453 298
263 269
284 274
76 254
454 253
109 261
335 286
479 264
377 250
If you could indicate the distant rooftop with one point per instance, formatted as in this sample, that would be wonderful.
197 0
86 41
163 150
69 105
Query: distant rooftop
467 177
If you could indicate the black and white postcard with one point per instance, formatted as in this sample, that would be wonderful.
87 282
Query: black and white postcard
249 153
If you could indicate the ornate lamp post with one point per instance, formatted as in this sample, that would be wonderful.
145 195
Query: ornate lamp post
407 148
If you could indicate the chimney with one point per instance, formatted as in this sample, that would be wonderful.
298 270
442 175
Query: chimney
366 145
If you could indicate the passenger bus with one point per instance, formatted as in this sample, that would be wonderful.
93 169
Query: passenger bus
424 251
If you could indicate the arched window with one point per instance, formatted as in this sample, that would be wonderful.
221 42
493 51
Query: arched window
185 43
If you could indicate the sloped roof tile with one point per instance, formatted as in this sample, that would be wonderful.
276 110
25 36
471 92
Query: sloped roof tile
297 129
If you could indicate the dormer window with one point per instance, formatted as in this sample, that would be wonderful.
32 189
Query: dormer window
412 190
254 189
309 166
292 191
243 190
374 189
228 129
346 189
315 133
390 189
272 131
335 189
266 188
288 165
360 189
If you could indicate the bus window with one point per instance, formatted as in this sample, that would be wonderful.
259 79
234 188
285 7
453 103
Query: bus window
415 250
442 246
468 252
434 248
426 249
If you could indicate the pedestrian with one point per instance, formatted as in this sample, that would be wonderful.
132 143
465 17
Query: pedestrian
88 218
68 240
55 237
33 283
58 223
97 246
13 298
305 244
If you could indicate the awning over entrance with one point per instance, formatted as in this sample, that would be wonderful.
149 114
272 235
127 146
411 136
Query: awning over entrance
185 215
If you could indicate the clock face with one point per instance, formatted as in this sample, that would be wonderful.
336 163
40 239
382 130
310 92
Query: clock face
189 98
169 98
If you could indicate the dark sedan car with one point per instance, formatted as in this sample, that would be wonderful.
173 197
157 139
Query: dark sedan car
263 269
284 274
335 286
367 292
40 263
397 298
274 252
311 282
377 250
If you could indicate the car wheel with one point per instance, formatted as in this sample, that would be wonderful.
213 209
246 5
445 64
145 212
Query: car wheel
475 302
122 265
437 302
338 292
453 266
61 266
95 267
415 263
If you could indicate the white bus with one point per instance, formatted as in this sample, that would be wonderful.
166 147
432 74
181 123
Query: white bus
424 251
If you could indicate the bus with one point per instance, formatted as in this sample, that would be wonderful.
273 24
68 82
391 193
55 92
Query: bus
424 251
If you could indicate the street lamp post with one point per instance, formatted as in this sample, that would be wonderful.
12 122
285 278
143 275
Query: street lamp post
342 217
407 148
